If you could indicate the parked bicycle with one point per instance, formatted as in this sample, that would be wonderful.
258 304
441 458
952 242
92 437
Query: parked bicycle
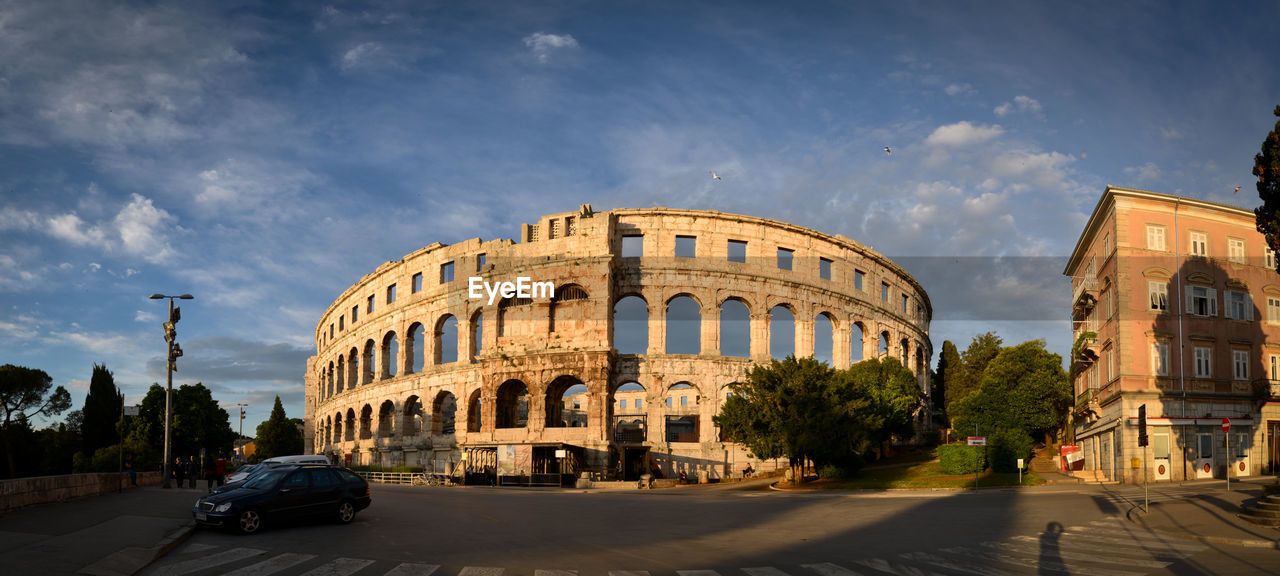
426 479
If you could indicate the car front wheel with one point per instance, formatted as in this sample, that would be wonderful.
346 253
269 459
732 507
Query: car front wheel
250 521
346 512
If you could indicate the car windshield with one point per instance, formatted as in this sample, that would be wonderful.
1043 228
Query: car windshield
266 480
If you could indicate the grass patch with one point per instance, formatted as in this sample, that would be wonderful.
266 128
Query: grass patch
915 473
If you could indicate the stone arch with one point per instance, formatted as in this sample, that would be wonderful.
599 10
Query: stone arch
353 368
325 434
631 325
680 413
882 348
367 362
512 410
566 401
351 424
444 410
412 417
415 348
905 352
627 412
446 335
684 324
857 332
337 428
515 317
477 334
475 416
387 354
366 422
329 379
735 327
782 331
824 338
570 308
387 419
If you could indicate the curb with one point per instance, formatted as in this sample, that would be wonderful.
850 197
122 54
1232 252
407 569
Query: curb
1242 542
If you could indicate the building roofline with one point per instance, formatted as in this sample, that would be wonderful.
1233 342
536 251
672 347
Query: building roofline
1108 197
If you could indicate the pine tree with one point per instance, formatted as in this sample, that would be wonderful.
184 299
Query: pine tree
1266 166
278 436
102 405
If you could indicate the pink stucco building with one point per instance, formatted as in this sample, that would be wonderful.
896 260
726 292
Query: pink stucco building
1182 301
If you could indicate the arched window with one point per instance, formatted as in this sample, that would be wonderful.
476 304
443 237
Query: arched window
883 349
351 424
446 339
566 403
475 416
443 410
631 325
415 348
513 405
387 419
367 362
855 342
366 422
628 413
735 329
337 428
329 377
681 413
782 333
412 416
340 372
824 339
904 347
477 333
353 368
388 355
569 309
684 326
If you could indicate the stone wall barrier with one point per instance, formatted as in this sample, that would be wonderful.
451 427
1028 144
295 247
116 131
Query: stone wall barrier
21 492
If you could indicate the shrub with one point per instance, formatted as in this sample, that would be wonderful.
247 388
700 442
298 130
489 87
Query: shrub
961 459
1006 447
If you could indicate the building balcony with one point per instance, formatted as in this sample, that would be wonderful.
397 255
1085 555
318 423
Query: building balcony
1084 297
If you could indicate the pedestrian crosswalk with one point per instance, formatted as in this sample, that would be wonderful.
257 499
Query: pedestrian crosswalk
1100 548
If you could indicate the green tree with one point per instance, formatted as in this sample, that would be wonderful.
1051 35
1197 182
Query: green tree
1024 388
801 409
1266 166
101 412
948 370
967 376
22 397
277 436
198 423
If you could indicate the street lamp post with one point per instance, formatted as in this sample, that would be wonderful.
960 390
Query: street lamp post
171 354
241 405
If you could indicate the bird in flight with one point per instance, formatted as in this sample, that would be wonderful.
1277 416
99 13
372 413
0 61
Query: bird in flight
1237 190
715 177
887 151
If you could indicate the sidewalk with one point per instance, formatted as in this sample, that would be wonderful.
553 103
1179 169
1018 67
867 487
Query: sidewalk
112 534
1210 515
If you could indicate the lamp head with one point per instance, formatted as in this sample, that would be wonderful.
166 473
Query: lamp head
186 297
157 296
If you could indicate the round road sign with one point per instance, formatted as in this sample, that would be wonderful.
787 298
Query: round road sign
1226 424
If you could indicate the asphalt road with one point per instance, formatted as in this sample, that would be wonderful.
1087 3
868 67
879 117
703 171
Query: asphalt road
468 530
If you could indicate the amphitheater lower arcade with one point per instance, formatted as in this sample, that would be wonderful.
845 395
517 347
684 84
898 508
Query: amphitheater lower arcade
619 369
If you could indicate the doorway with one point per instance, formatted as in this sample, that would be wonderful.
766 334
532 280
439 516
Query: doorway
633 463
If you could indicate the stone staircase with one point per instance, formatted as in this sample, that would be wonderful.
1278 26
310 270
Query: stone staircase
1044 463
1265 511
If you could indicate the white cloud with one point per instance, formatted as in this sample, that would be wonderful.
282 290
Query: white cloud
142 229
360 56
543 45
959 89
1170 133
71 228
1020 104
144 316
20 220
1144 173
962 134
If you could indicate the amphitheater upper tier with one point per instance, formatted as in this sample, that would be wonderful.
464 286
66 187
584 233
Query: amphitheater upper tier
614 357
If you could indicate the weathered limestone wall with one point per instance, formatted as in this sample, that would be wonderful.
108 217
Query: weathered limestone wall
20 492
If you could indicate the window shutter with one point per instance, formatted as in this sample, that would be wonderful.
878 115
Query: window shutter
1248 306
1213 301
1190 300
1227 302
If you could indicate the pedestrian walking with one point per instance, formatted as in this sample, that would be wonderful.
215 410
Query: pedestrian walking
210 472
220 469
178 469
191 470
128 469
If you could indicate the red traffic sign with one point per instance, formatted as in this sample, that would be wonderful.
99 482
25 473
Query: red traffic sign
977 440
1226 424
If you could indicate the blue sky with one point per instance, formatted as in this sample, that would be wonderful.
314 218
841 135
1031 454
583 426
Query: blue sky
265 156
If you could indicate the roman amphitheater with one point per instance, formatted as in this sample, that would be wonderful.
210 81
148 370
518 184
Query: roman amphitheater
616 371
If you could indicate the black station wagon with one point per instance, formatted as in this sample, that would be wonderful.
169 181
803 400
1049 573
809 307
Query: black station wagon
286 492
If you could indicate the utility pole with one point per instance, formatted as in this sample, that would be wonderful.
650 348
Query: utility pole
242 406
171 356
